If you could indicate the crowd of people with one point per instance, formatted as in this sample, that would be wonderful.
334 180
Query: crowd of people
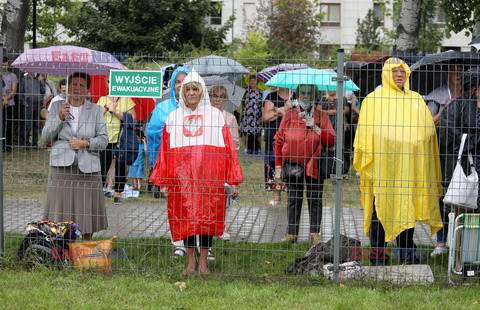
405 148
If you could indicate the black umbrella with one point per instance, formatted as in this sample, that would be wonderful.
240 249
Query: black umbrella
368 75
431 71
471 79
475 43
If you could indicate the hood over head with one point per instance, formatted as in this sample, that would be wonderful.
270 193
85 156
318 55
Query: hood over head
193 76
387 78
471 79
172 80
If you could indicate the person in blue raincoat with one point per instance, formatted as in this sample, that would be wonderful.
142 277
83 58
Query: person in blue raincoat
155 129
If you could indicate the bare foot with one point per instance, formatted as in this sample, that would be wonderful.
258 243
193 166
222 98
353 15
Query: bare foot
204 269
188 271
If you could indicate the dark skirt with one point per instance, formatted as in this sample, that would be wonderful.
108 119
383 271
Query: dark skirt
76 196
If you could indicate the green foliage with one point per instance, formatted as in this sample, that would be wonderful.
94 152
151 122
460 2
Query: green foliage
254 50
431 35
148 27
368 31
458 14
52 16
293 28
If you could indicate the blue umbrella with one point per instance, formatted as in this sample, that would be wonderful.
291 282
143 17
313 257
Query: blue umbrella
323 79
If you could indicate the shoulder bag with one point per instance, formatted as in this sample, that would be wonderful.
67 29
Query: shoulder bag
462 191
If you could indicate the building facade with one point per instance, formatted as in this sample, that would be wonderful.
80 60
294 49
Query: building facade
340 21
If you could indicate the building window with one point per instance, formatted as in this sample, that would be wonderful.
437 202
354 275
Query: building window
331 14
439 17
216 13
378 11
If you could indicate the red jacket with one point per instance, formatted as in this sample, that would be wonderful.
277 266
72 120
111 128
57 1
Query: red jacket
294 142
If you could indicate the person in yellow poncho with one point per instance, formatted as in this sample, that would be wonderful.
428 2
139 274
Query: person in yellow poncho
396 155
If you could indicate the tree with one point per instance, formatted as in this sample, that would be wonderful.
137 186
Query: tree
292 26
14 24
52 16
145 26
368 32
254 50
431 34
462 14
408 28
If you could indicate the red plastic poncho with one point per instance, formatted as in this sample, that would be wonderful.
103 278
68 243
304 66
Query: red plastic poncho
196 159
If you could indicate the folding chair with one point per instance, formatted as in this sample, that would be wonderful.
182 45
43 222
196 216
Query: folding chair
464 254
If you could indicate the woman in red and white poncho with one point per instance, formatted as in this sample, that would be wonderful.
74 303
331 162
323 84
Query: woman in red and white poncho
196 159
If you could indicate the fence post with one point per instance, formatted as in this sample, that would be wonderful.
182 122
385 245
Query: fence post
2 142
339 166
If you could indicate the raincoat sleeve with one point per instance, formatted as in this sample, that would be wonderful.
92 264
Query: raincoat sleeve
363 142
234 170
154 133
162 173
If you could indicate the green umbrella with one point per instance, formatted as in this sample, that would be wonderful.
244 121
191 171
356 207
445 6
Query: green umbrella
323 79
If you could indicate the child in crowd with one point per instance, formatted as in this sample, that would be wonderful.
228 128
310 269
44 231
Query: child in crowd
136 170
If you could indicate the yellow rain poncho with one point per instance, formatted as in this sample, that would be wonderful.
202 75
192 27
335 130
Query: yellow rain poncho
396 155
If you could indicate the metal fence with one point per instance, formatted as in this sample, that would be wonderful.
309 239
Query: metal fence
393 145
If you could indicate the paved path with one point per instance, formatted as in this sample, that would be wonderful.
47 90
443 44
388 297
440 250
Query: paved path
245 223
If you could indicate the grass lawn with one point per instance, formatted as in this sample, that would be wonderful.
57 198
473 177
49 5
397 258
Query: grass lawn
53 289
248 276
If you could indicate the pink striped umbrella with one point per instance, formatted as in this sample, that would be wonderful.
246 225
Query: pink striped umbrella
267 73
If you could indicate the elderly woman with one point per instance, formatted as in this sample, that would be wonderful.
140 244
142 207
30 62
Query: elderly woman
78 132
218 98
196 159
276 104
302 134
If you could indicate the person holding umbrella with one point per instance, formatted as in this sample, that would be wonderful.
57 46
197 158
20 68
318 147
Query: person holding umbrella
78 132
274 108
462 116
303 132
396 155
441 96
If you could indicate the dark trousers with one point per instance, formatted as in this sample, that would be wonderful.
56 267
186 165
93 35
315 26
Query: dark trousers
106 157
205 241
252 142
295 178
8 126
405 244
32 124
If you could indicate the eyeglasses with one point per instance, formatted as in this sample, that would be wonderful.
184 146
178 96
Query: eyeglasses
219 97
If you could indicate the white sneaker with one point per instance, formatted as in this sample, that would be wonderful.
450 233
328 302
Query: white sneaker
225 236
439 250
210 255
178 252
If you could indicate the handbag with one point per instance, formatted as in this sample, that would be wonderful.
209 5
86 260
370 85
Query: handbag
462 192
126 150
92 254
327 165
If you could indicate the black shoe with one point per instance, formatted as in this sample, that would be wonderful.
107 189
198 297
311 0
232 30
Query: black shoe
117 200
